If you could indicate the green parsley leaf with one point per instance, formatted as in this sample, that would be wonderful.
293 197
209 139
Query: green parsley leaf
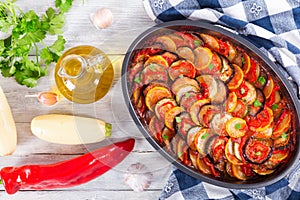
137 80
211 66
284 135
197 43
165 137
243 60
257 103
204 136
258 153
243 90
275 106
178 119
181 76
261 80
238 126
63 5
187 95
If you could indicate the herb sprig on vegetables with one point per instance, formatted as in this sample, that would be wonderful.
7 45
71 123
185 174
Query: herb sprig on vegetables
27 32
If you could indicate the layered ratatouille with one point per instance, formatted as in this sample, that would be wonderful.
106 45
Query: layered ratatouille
211 105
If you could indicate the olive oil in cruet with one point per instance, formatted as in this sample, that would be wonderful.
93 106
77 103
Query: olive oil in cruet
84 74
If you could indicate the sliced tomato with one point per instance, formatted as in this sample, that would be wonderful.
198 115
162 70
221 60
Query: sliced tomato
223 48
155 127
214 67
187 38
258 151
261 121
144 54
211 166
163 106
183 123
218 149
169 57
254 72
182 68
283 124
206 114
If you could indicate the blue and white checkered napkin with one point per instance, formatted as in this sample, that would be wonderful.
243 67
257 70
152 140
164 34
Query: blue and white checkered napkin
274 27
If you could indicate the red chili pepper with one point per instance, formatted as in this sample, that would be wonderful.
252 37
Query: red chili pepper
68 173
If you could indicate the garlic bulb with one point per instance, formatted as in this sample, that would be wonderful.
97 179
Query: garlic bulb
102 18
138 177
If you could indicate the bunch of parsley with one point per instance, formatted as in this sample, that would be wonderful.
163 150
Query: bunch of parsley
27 31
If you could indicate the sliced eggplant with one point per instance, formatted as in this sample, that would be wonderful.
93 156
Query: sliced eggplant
222 93
258 104
193 156
208 81
206 114
182 81
183 123
188 99
186 53
185 89
251 93
257 151
227 70
210 41
262 79
153 72
218 123
167 43
171 115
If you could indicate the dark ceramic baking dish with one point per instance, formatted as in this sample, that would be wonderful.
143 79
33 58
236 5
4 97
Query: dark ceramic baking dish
254 52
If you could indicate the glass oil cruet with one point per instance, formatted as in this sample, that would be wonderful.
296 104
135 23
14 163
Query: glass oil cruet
84 74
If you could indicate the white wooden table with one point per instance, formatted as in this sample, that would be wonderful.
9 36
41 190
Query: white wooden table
130 19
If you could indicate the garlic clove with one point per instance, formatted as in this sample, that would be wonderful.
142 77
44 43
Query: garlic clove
48 98
138 177
102 18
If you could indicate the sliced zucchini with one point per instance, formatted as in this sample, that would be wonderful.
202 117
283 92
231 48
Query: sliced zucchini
158 60
186 53
181 81
203 57
155 94
237 79
200 140
170 116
